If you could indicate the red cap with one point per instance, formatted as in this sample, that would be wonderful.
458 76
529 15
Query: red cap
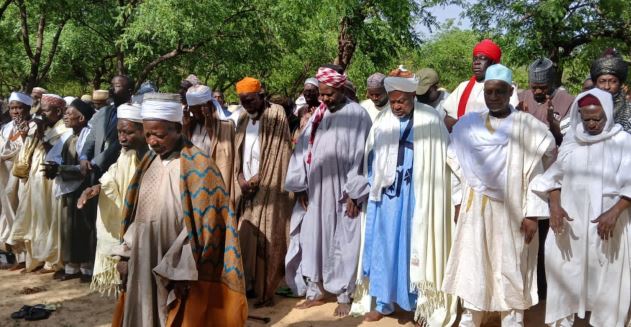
589 100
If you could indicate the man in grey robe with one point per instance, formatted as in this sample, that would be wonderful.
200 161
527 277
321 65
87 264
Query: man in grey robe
325 172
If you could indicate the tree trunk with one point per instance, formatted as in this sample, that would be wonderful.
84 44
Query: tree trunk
346 43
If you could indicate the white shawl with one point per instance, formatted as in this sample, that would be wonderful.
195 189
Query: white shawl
432 227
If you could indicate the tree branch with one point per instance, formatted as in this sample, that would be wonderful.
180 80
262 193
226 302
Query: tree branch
53 49
169 55
4 6
39 46
24 29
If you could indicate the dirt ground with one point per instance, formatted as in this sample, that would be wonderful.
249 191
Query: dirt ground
79 307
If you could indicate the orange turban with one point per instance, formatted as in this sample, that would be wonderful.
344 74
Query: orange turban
248 85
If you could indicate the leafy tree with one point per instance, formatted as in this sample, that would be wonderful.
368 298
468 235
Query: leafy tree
558 29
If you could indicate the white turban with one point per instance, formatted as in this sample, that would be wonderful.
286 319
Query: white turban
403 84
129 112
69 100
21 97
163 106
198 94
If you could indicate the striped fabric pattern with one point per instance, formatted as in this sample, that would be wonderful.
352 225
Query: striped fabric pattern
208 216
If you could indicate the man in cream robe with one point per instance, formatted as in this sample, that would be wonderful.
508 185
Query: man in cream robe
406 232
492 266
180 255
208 131
263 149
11 141
111 192
588 257
39 212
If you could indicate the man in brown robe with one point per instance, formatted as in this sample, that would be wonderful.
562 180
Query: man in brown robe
263 149
207 131
544 99
180 257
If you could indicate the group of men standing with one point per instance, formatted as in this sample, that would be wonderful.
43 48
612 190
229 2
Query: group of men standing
416 198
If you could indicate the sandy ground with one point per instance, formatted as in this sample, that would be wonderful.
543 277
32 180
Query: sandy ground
79 307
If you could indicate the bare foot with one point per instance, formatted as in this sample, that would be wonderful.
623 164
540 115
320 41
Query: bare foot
342 310
309 303
18 266
264 303
421 322
373 316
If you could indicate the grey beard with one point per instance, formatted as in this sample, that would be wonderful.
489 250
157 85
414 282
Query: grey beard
254 116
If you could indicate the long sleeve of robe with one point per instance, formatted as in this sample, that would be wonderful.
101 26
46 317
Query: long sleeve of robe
490 266
329 240
585 273
114 185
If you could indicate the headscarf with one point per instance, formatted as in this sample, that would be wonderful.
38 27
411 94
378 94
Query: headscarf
330 77
163 106
21 97
489 49
85 109
541 71
53 100
606 102
375 81
129 112
248 85
402 80
198 94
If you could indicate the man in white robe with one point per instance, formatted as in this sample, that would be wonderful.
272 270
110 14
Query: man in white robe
588 257
469 95
12 137
492 266
37 226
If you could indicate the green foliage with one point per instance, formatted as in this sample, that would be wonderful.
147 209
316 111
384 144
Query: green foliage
281 42
570 32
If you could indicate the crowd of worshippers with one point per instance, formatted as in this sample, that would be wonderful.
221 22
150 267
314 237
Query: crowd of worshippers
414 200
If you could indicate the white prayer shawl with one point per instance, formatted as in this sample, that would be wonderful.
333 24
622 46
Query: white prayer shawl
482 154
431 224
595 168
530 140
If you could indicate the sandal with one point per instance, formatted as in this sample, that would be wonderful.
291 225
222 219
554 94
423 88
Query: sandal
37 313
20 314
